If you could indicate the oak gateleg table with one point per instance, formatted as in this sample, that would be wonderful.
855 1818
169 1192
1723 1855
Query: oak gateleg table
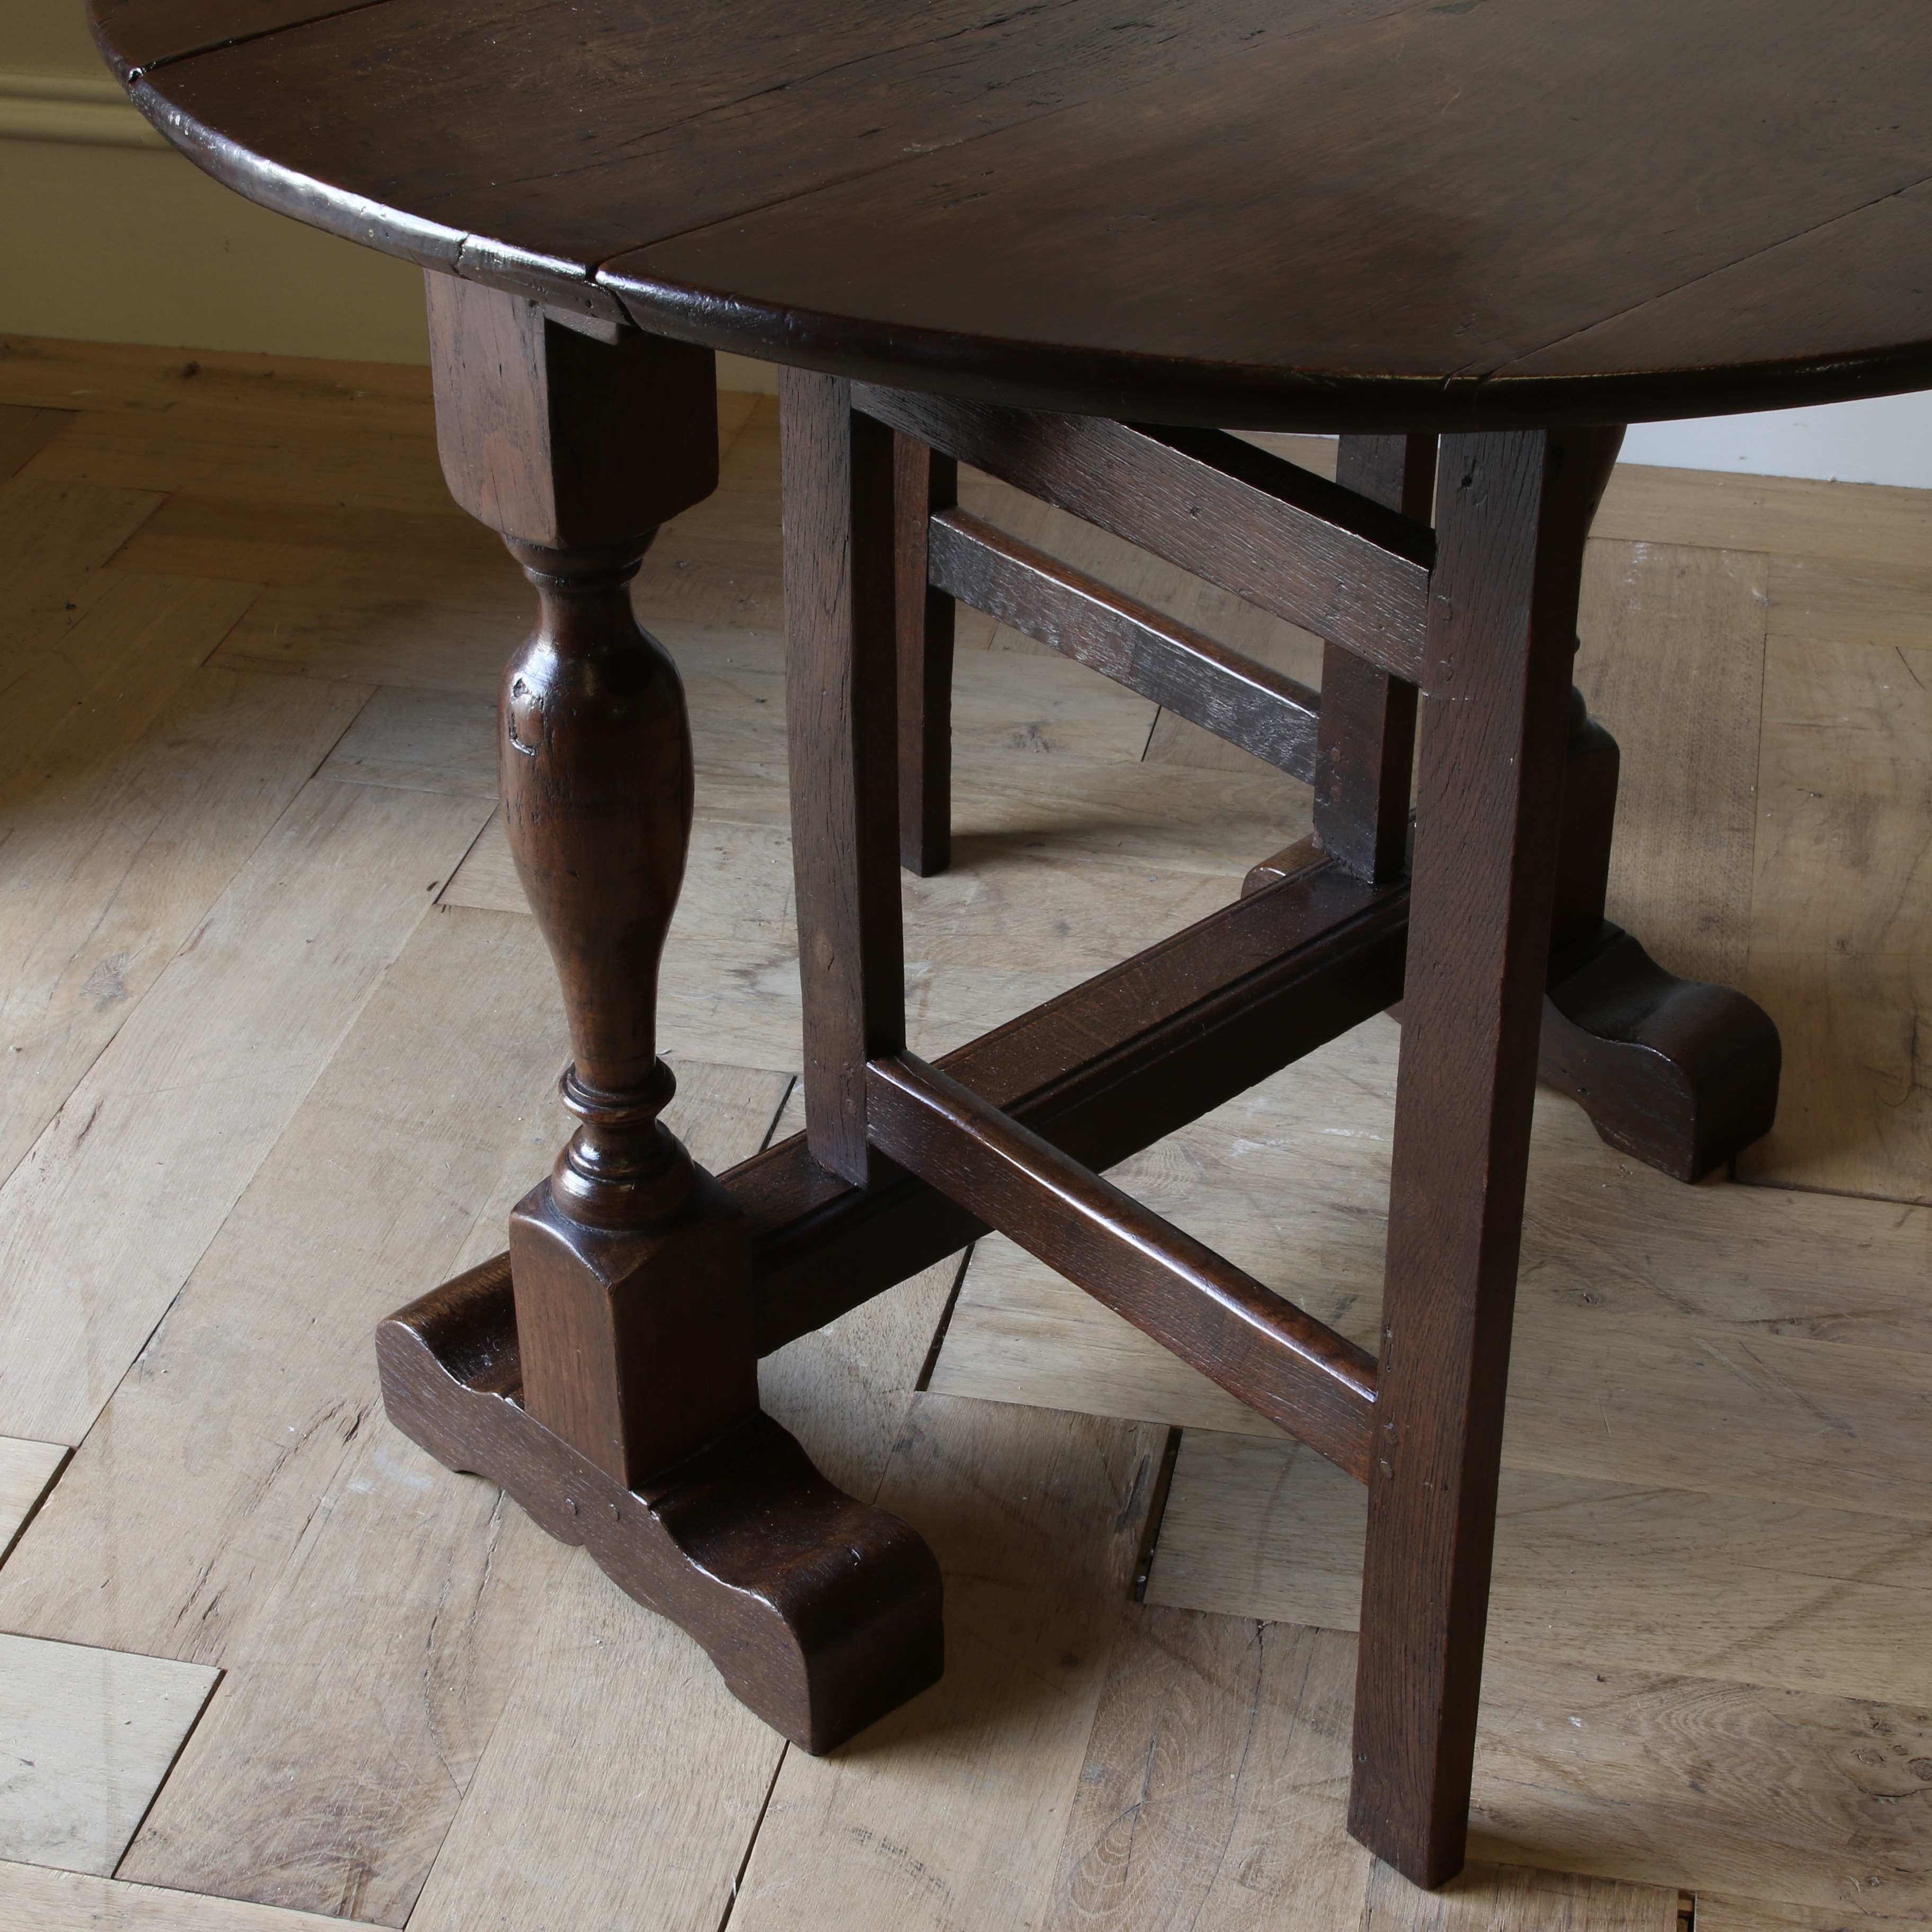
1073 248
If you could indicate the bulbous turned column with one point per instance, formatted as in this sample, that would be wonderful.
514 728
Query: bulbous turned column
629 1266
608 1377
594 768
575 440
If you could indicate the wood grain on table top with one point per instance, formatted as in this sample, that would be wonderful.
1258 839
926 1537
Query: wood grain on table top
1322 214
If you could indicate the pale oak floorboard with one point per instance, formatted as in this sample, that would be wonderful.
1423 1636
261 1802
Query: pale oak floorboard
1819 600
1866 522
106 870
1672 663
105 1218
1648 1780
324 550
1718 1914
1675 1780
421 740
1215 1793
242 1500
41 372
56 534
46 372
951 1810
1519 1898
26 1470
1841 916
1215 1789
99 676
1698 1338
32 1896
307 460
90 1734
25 432
448 640
1587 1571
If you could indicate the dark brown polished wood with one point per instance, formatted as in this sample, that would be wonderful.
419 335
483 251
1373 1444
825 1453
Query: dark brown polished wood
1068 249
1323 213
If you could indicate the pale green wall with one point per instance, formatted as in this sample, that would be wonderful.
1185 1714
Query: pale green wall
47 37
104 239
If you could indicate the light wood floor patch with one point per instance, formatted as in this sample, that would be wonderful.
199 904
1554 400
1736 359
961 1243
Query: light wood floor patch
1753 1591
1215 1793
1841 914
1672 661
952 1809
110 867
56 533
26 1469
422 741
244 1504
1719 510
90 1734
25 432
102 672
101 1223
65 1901
1718 1914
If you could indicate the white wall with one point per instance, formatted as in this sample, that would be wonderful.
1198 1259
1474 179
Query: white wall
1887 440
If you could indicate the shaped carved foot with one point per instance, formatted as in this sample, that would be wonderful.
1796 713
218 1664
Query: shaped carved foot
1679 1073
821 1612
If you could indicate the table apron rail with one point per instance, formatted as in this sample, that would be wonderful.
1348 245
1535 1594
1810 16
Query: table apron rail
1307 551
1247 703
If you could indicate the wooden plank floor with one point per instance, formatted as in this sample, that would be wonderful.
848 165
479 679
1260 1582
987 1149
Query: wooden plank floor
280 1044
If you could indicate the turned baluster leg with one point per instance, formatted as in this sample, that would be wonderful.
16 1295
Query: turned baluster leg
1512 512
614 1389
630 1265
625 1259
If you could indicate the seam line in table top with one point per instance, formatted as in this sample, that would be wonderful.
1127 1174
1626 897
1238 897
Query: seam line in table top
1690 282
244 39
1391 10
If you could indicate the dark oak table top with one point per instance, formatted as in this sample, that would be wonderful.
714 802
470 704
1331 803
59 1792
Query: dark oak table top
1313 214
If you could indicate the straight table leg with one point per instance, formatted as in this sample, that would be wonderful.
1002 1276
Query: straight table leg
1366 741
1512 512
614 1389
923 480
842 729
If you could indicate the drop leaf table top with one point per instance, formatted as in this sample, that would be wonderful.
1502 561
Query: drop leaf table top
1318 214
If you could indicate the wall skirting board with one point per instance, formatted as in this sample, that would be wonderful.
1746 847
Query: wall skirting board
110 236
